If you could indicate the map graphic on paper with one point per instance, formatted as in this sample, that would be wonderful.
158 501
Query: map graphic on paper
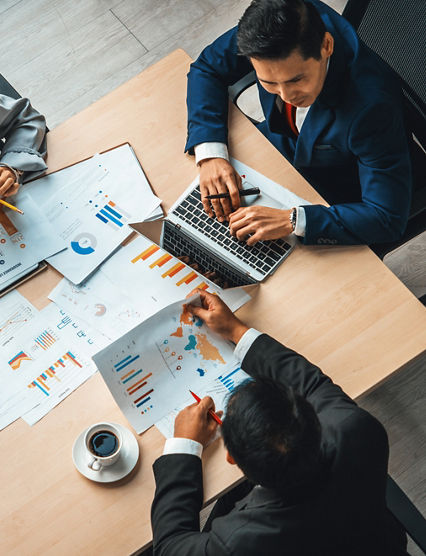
150 369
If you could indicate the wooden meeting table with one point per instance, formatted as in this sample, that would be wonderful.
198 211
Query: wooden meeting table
339 306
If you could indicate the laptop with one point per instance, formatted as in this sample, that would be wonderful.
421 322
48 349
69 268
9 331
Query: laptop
188 230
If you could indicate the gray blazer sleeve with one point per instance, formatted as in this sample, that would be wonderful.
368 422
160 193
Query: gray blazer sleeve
23 130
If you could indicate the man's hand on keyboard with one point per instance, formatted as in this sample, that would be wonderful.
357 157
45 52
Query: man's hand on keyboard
218 176
260 223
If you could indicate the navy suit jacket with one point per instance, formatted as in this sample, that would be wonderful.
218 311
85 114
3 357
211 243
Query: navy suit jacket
352 146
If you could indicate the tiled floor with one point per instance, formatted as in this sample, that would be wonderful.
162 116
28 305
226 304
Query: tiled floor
65 54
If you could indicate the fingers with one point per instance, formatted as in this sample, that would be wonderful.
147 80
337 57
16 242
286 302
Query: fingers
8 183
206 403
13 190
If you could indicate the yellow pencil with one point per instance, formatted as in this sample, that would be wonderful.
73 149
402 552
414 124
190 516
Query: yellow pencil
8 205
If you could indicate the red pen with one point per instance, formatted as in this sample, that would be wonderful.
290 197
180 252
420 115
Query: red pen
211 412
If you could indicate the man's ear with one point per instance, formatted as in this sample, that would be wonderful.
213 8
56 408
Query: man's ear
230 459
327 46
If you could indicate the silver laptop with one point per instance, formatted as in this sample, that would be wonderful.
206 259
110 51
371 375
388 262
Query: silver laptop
188 230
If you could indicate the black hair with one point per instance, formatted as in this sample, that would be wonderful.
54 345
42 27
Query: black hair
273 29
273 434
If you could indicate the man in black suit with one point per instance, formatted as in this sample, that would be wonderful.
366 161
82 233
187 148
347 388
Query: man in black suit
316 463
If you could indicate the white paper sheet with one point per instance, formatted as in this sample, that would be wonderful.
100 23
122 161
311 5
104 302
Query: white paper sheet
218 389
150 369
91 205
25 239
47 361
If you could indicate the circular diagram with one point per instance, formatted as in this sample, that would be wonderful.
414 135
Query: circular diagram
84 243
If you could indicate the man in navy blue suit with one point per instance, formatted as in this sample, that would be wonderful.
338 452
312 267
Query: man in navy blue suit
332 108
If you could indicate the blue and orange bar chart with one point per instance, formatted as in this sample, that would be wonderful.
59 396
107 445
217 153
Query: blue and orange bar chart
45 340
173 270
134 383
227 380
16 361
40 381
112 214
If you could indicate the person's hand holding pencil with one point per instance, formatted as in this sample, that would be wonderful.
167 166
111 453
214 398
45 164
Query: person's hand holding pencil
195 422
8 182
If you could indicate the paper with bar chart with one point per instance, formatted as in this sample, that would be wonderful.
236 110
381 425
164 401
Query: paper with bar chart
150 369
91 208
47 361
25 239
218 389
154 278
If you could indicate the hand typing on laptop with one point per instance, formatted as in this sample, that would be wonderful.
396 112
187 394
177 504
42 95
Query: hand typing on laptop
258 223
217 175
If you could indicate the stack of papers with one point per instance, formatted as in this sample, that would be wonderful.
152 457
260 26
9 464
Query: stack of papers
90 205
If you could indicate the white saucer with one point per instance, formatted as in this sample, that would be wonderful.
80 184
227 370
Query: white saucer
126 462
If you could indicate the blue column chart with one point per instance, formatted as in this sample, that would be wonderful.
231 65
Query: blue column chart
229 382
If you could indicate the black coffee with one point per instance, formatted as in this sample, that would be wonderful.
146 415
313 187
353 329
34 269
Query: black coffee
103 443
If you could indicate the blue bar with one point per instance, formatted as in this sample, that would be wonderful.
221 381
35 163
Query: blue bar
230 374
127 363
132 376
110 217
42 389
113 212
120 362
101 218
143 401
227 382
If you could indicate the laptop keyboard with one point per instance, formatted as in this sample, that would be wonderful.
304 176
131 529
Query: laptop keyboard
263 256
178 244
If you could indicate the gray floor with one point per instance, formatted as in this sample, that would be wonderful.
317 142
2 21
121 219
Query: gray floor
65 54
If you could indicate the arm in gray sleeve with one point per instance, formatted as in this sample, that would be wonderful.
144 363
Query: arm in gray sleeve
24 130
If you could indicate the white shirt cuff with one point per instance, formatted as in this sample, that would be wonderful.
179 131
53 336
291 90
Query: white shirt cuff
210 150
300 222
245 343
182 446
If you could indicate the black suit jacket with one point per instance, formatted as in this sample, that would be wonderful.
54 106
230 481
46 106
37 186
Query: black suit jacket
342 513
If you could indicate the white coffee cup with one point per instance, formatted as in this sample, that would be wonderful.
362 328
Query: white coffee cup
103 442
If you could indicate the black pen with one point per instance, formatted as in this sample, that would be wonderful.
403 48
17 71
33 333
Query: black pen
242 193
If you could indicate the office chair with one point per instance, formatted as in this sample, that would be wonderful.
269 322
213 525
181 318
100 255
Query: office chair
394 29
406 513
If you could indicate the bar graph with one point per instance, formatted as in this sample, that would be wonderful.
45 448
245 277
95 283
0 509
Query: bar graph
162 260
187 279
41 382
112 215
173 270
135 383
45 340
125 362
227 381
146 254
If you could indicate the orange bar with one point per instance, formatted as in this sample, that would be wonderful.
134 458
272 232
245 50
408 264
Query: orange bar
7 224
162 260
127 374
147 253
144 396
111 203
174 270
187 279
138 382
203 286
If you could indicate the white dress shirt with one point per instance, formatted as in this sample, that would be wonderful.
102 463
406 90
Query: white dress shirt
188 446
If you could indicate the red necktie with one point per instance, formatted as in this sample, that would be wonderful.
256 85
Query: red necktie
290 112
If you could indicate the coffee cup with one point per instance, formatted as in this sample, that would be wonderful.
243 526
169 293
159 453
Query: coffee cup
103 443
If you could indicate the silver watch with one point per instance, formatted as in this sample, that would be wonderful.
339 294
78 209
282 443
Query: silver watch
293 216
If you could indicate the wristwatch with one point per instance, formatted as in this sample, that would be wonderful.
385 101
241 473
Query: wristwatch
293 216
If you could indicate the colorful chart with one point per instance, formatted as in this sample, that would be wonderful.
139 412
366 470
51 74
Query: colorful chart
41 381
45 339
112 215
135 384
84 243
175 268
16 361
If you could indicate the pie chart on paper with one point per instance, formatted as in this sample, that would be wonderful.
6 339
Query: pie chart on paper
100 310
84 243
